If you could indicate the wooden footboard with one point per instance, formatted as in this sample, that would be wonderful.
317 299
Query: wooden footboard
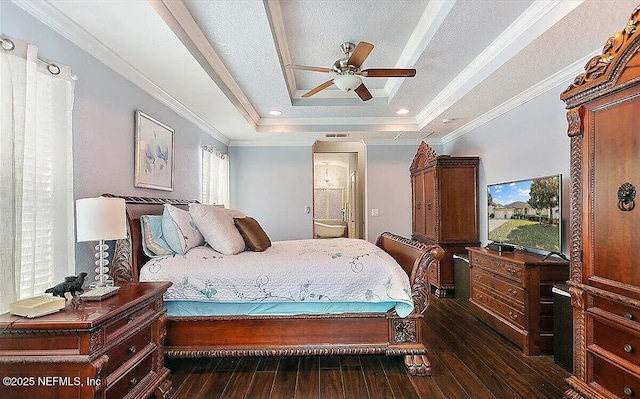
344 334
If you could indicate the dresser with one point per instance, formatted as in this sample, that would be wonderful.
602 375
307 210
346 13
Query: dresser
444 192
511 292
110 349
604 127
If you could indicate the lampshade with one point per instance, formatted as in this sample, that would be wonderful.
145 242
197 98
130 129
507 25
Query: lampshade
100 219
347 82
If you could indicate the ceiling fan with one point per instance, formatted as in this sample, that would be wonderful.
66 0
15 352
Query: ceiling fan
349 72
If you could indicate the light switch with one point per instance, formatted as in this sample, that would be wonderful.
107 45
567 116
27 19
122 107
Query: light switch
374 212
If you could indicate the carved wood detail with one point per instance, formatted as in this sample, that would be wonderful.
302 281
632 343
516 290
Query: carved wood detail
97 340
579 356
602 71
304 351
426 152
404 330
575 214
575 121
418 365
121 270
99 365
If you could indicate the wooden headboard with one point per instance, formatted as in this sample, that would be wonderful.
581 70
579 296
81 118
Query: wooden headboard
128 256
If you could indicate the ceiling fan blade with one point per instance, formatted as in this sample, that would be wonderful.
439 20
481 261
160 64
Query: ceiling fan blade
360 54
310 68
388 73
363 92
317 89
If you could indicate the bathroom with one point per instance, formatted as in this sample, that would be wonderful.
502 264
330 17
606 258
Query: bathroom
334 194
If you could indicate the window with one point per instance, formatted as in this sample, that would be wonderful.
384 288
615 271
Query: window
215 177
36 184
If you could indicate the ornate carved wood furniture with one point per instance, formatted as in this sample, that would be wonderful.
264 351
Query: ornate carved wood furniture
511 292
444 208
604 125
107 349
343 334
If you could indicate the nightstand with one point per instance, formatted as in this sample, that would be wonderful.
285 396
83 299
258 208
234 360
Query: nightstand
109 349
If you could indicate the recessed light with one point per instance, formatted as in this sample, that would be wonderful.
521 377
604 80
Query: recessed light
447 120
402 111
275 112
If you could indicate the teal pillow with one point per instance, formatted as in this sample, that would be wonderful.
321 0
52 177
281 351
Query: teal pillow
153 243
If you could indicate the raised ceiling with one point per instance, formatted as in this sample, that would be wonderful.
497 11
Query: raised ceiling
222 63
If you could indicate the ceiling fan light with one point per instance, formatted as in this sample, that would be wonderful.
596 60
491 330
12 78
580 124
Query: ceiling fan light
347 82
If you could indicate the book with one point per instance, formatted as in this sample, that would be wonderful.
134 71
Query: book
37 306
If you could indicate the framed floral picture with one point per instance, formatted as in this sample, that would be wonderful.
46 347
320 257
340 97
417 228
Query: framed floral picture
154 153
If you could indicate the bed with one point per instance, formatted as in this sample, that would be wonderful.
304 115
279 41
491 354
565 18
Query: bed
299 333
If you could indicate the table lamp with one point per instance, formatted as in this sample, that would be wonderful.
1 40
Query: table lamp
100 219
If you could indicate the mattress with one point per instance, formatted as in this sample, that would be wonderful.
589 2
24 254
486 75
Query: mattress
330 276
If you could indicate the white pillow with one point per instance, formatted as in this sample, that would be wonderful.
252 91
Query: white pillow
218 228
179 230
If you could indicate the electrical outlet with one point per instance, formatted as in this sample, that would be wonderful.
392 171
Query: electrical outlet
375 212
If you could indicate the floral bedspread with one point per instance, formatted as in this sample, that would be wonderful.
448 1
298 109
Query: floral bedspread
341 269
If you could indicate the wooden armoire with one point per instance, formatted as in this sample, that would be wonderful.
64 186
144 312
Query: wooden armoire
604 125
444 192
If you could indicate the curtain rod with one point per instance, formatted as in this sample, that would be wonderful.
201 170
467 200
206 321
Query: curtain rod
9 45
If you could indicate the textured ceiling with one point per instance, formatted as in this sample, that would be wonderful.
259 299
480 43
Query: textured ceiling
222 64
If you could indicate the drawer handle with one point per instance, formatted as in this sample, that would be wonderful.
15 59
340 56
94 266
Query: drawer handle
429 205
131 318
513 316
132 349
478 277
628 316
479 296
628 348
512 292
512 271
133 381
627 391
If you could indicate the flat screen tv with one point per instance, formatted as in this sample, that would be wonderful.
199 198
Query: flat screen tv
527 213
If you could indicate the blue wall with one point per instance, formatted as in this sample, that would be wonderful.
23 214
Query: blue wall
103 123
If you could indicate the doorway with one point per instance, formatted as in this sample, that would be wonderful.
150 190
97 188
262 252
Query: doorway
338 203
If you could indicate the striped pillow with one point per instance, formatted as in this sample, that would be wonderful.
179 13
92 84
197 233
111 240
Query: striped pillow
153 243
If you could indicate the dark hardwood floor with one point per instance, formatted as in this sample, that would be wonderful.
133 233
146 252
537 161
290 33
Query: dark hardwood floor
469 360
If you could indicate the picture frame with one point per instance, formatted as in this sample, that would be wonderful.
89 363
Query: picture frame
154 153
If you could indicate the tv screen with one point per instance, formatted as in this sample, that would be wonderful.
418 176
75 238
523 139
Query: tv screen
526 213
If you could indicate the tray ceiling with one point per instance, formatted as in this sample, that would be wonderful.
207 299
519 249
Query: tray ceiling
222 64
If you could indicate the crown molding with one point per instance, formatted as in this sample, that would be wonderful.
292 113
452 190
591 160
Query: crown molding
280 125
180 21
271 143
560 77
46 13
538 18
434 14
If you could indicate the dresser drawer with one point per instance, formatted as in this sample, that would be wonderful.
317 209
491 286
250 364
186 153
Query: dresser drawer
618 341
122 325
128 349
616 380
507 288
490 301
507 269
131 379
617 309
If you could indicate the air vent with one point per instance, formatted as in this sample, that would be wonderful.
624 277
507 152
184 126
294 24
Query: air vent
339 135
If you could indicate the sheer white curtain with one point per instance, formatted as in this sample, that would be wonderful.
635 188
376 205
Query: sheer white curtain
215 177
36 165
